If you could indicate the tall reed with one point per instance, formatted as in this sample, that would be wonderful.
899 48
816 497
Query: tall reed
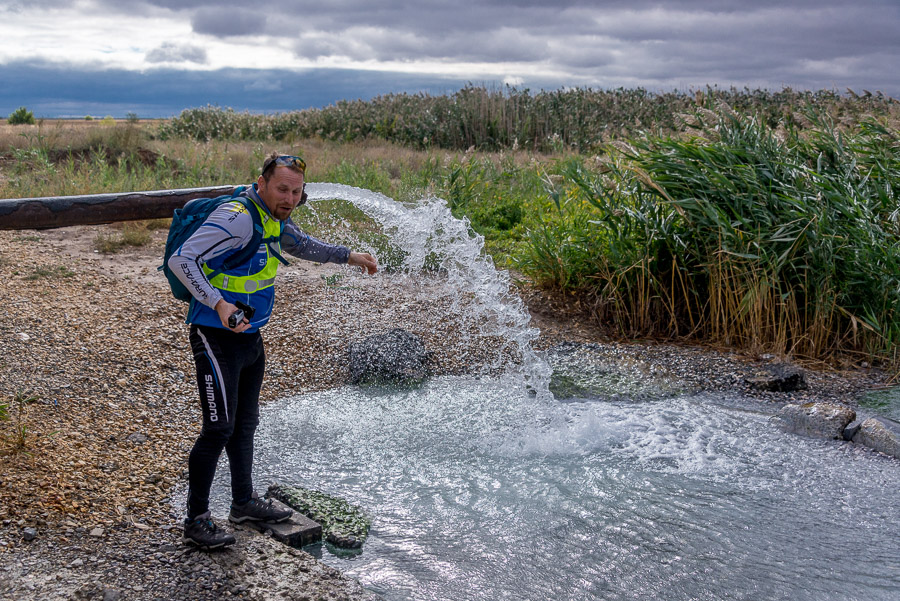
782 239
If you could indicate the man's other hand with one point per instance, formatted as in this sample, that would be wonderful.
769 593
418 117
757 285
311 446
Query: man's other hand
364 260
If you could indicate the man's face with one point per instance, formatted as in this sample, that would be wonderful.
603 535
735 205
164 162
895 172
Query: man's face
282 192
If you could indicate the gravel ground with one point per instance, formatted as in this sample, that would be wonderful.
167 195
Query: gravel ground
102 411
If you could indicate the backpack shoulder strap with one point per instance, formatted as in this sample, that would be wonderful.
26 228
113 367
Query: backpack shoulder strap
277 238
263 239
252 247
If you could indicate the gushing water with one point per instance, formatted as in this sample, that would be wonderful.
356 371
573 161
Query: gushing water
429 232
480 490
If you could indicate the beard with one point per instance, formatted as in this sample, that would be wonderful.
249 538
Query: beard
282 213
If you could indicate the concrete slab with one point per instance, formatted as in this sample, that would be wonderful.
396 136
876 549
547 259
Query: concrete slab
298 531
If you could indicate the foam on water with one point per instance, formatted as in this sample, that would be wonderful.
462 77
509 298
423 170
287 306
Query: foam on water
509 496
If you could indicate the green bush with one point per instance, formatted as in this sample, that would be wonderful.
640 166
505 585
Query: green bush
557 121
21 116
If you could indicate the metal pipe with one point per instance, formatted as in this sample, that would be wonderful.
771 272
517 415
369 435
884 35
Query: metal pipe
90 209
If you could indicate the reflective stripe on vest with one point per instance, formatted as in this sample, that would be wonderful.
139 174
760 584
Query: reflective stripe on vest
262 278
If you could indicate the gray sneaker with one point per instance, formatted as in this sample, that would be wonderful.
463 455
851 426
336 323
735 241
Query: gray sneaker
203 532
257 510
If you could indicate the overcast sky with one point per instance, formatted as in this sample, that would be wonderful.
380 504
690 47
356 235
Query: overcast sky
157 57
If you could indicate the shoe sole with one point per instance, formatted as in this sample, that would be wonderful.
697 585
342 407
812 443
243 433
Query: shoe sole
248 518
202 547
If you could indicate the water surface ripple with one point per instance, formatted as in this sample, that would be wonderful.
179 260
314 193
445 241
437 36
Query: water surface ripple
480 494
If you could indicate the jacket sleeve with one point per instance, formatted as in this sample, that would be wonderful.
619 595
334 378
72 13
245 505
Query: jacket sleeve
299 244
227 229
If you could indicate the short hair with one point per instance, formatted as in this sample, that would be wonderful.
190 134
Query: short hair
298 165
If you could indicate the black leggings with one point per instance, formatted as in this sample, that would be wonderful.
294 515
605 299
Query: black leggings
229 374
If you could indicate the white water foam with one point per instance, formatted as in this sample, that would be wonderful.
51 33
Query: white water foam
508 497
429 231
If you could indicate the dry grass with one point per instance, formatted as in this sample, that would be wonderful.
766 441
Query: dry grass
132 233
61 133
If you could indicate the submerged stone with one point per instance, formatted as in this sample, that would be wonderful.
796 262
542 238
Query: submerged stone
881 435
582 371
817 420
884 401
394 357
343 525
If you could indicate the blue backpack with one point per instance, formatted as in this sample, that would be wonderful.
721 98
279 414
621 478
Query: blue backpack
188 220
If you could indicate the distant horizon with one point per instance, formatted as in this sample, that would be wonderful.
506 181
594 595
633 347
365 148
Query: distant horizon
51 93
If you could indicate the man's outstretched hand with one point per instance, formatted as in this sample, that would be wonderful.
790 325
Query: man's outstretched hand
364 260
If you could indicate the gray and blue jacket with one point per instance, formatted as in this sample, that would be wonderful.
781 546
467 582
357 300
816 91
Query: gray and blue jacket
227 230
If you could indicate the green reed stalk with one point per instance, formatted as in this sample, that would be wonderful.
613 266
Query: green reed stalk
786 240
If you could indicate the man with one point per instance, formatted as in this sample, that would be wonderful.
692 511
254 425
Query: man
230 359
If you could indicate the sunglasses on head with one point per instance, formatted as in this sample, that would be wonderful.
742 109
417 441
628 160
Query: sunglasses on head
285 161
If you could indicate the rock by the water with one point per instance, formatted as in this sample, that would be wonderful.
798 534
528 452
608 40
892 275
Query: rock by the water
880 435
781 377
395 357
851 430
29 533
818 420
343 525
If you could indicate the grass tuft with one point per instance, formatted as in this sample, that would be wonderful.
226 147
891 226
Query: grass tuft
135 234
51 272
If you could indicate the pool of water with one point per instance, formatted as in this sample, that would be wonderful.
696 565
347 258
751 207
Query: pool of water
885 402
479 490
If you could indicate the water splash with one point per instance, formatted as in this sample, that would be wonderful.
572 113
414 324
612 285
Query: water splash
428 232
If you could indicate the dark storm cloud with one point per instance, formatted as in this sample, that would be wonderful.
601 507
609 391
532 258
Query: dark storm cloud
593 39
657 45
227 21
773 47
647 43
53 91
